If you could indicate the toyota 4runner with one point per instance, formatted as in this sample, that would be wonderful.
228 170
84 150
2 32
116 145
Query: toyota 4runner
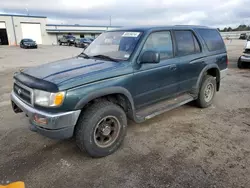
134 73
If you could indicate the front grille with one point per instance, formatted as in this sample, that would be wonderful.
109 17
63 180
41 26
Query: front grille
23 93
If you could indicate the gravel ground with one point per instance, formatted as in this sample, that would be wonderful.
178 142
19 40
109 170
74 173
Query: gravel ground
186 147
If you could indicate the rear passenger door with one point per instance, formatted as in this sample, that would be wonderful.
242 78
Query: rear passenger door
189 55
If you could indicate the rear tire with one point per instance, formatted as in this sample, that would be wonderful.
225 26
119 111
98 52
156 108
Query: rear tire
101 129
207 92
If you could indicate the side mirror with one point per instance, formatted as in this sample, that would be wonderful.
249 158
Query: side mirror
150 57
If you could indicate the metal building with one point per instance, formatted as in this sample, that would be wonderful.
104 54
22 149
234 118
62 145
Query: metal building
13 28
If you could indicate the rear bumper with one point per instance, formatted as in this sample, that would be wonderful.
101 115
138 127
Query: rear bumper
245 58
223 73
52 125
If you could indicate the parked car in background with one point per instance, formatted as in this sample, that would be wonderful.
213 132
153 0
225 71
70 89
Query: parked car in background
244 60
82 42
28 43
243 36
145 72
91 39
67 39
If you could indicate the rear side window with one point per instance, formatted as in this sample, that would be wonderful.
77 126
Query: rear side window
212 39
187 43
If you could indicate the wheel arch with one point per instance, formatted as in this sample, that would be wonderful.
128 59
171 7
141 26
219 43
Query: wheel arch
212 70
118 95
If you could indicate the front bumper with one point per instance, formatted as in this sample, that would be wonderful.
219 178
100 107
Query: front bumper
245 58
30 46
52 125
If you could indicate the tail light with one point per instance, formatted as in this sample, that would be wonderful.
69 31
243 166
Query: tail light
227 61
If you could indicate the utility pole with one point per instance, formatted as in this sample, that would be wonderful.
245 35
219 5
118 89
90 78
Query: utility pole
27 10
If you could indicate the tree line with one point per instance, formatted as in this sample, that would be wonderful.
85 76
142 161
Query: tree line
239 28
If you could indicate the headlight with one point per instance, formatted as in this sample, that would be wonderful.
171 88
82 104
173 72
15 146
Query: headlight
44 98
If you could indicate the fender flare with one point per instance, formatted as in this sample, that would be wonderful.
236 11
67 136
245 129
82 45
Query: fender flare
102 92
204 70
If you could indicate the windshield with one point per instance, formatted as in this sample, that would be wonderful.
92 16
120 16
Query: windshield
27 40
117 45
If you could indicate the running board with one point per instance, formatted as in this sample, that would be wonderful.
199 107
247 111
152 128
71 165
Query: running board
163 106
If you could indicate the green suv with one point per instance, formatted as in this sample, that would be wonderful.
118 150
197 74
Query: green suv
134 73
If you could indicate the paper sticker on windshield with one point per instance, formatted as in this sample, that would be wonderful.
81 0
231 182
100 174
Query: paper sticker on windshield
131 34
126 55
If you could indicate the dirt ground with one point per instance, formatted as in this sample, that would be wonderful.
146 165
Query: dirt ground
186 147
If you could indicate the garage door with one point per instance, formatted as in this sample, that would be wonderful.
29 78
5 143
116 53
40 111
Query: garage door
32 31
2 25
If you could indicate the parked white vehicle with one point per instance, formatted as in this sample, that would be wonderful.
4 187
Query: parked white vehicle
244 60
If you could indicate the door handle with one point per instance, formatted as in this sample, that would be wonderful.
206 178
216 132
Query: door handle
173 67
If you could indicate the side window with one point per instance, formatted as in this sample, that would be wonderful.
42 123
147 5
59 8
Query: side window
160 42
212 39
187 43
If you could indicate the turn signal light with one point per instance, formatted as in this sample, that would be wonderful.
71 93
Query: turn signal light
58 99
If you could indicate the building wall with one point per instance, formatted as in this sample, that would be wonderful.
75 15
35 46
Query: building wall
52 39
76 27
57 31
50 32
9 28
17 20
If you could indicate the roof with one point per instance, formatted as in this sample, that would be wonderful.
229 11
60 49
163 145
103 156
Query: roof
147 28
78 25
20 15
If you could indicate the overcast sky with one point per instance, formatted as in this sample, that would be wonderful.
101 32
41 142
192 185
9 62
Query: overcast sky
216 13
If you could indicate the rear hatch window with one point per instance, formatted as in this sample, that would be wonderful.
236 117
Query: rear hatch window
212 38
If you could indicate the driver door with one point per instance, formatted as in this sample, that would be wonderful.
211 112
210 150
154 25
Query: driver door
154 82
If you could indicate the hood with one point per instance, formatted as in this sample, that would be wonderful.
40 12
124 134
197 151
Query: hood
77 71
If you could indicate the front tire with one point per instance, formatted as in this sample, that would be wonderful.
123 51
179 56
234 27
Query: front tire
207 91
101 129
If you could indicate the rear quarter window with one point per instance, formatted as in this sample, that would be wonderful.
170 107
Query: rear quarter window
212 39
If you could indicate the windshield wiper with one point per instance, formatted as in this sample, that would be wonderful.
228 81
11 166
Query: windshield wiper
83 55
105 57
